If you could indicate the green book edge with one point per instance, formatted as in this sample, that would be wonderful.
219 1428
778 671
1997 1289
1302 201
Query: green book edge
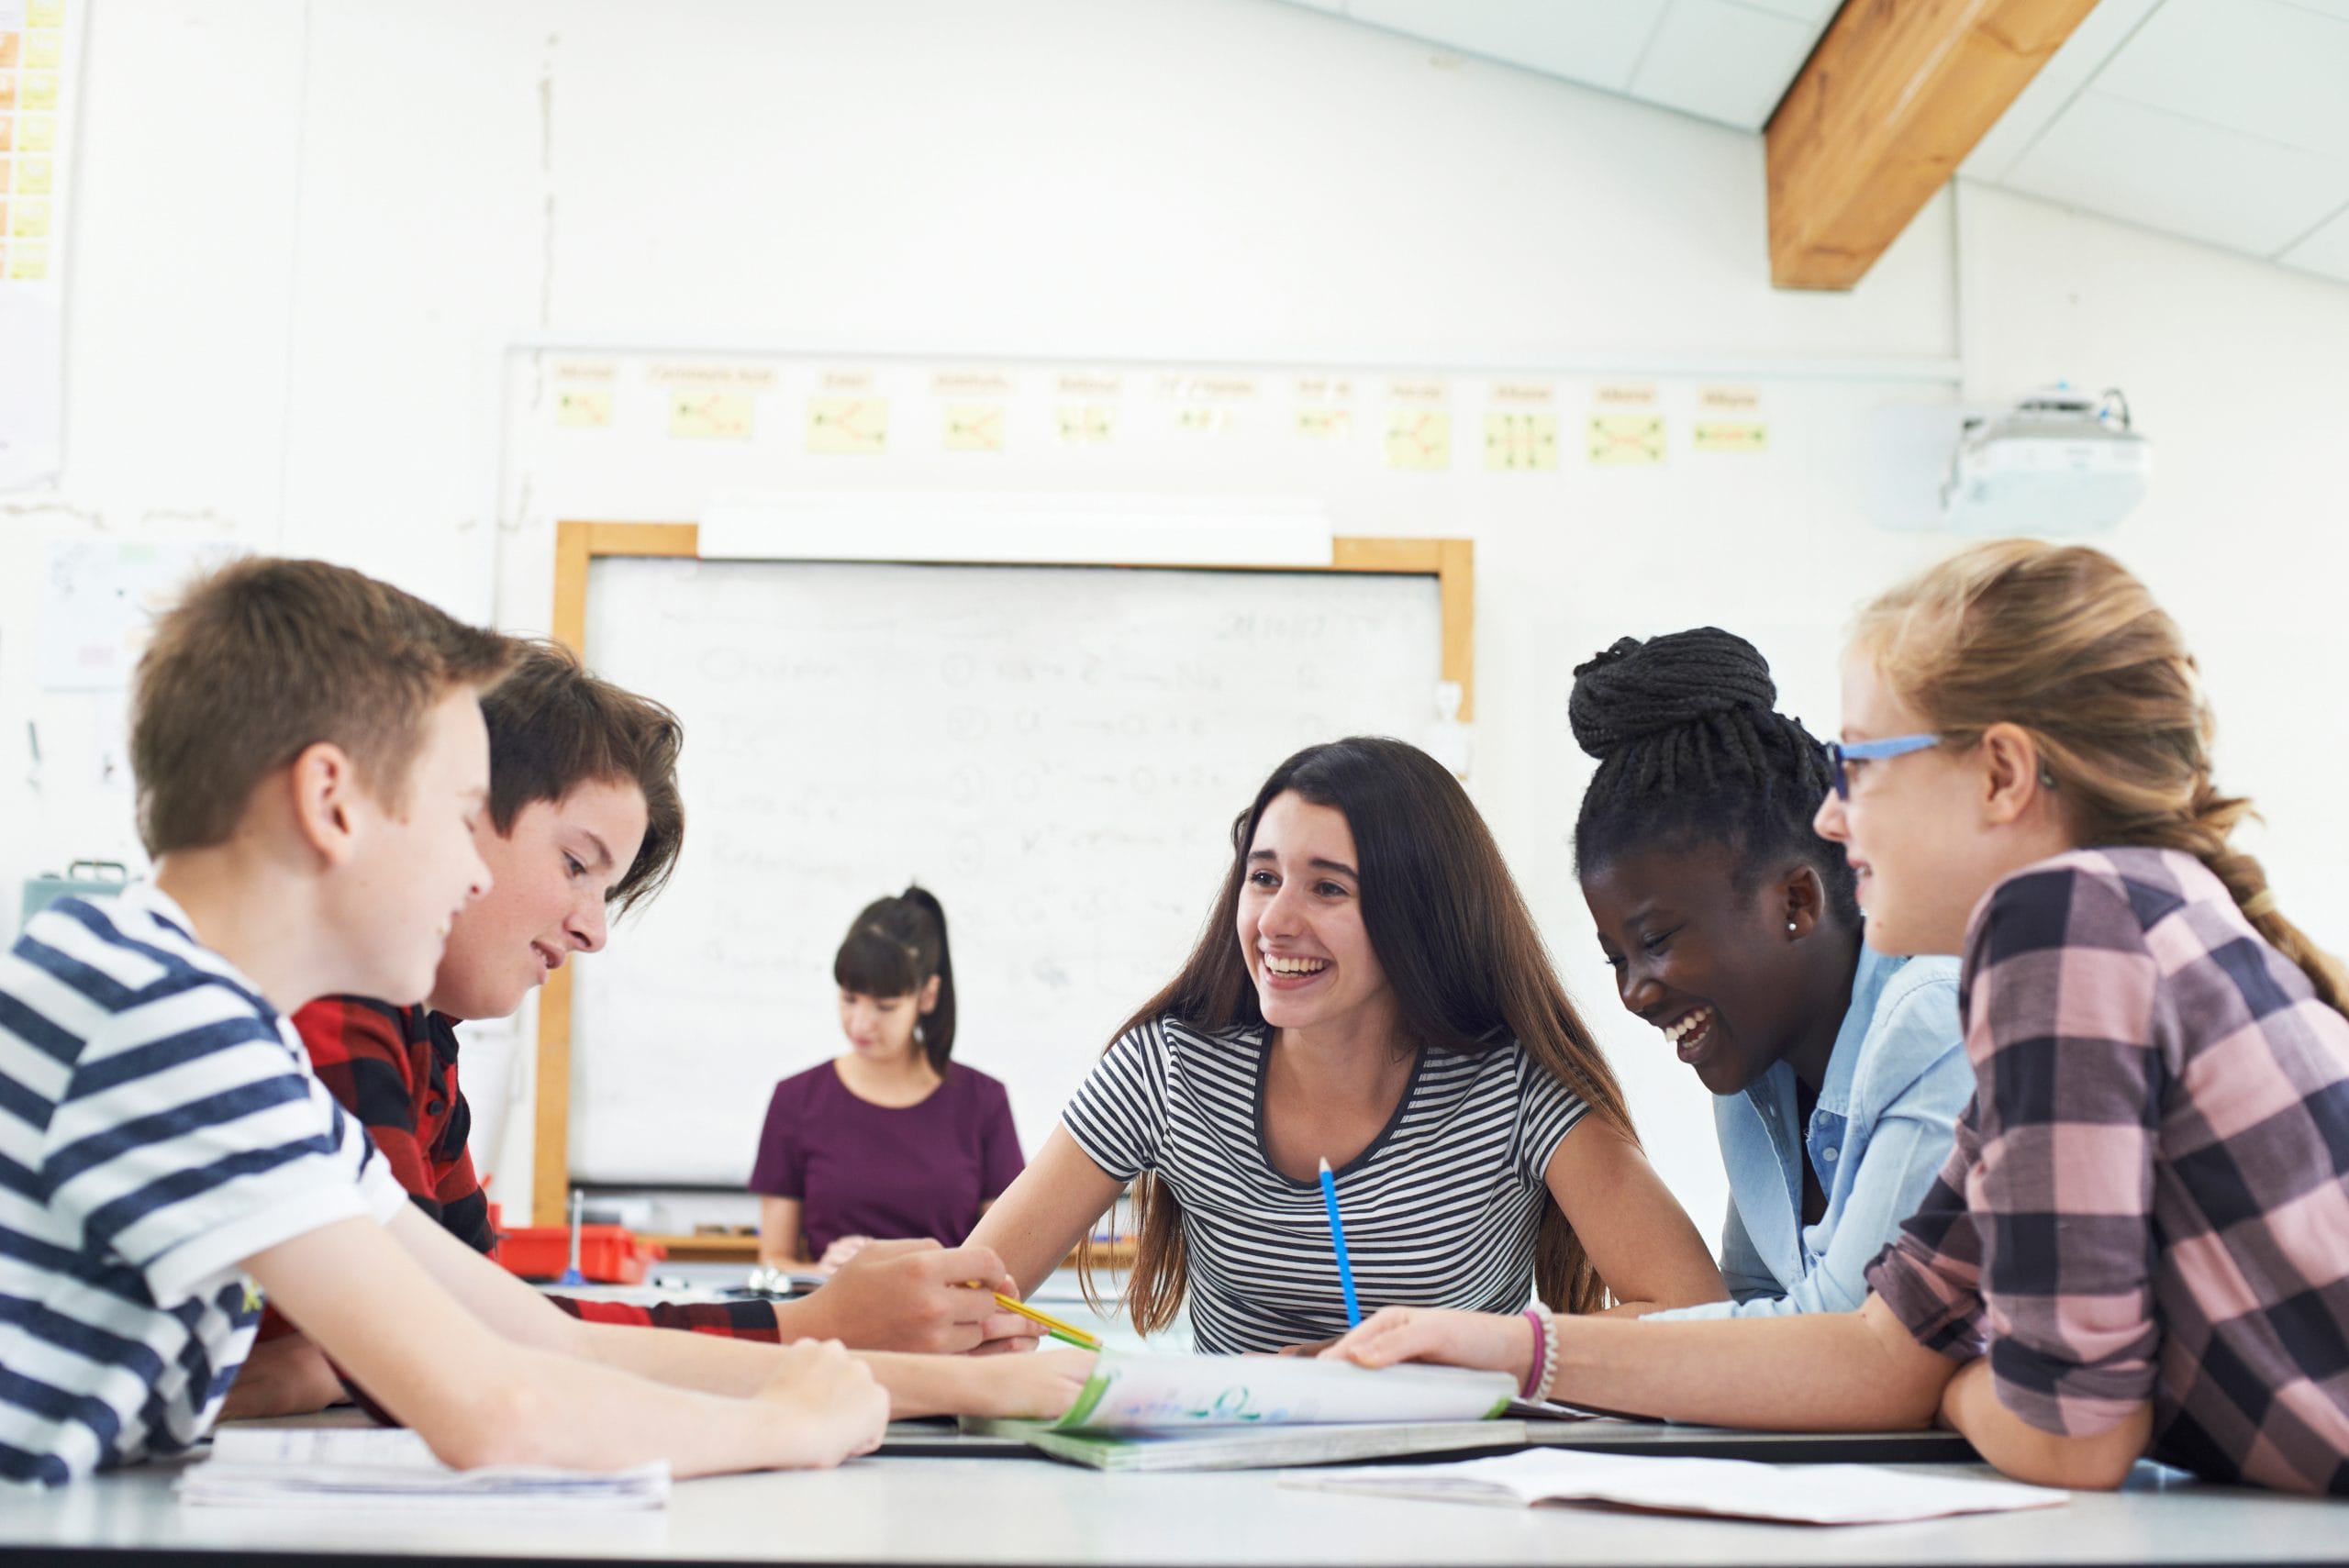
1254 1448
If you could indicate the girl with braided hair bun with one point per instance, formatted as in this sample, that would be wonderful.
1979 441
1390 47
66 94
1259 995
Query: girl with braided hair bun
2140 1245
1837 1070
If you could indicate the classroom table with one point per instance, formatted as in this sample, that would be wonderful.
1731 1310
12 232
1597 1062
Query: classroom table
1014 1513
935 1499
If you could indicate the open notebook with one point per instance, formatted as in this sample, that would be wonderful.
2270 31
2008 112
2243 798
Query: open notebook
1144 1412
347 1465
1733 1488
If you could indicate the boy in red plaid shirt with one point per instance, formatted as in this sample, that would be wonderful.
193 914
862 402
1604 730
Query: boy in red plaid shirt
584 821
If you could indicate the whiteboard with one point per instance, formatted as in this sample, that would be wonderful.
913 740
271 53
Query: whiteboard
1057 752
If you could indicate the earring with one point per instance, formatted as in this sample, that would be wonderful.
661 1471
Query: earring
1791 926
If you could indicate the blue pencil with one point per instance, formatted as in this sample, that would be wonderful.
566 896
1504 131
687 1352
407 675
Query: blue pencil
1337 1235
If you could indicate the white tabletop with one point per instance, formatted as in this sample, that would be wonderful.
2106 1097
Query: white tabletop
1001 1512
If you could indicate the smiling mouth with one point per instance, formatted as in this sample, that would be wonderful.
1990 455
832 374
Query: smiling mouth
1690 1033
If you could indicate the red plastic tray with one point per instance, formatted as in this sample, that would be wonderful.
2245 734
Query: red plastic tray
608 1254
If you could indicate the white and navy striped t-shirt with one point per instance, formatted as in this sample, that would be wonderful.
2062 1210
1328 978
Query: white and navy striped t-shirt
159 1123
1439 1211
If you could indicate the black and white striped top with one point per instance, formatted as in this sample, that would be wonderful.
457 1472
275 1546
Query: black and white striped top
1439 1211
158 1126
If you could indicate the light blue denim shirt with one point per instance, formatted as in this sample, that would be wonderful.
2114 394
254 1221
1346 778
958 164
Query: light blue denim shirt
1896 1082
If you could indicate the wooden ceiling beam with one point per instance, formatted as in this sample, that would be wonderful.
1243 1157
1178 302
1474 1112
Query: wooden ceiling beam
1892 100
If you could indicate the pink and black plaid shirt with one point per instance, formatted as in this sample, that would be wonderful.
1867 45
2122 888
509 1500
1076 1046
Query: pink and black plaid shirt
2149 1196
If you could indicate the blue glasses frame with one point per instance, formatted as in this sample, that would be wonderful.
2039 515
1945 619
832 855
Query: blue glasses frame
1869 751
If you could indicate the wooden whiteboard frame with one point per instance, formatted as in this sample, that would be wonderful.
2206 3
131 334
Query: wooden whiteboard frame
579 545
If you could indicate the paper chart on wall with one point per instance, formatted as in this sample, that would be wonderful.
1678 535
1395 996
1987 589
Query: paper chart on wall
41 48
101 601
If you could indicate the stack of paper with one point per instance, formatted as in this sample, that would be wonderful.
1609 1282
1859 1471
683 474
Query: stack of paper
1734 1488
297 1465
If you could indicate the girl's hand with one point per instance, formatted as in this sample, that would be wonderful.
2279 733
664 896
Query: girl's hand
1484 1339
1035 1388
839 1252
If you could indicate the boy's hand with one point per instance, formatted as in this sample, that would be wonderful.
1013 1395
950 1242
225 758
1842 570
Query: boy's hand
1035 1388
286 1376
912 1296
831 1407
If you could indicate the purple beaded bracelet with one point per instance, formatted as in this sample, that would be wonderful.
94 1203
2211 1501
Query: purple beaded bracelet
1534 1380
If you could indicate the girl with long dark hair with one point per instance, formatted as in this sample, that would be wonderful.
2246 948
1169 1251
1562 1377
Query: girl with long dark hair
1369 990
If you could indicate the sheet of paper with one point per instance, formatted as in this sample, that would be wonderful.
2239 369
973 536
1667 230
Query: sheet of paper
1731 1488
1143 1393
283 1465
101 602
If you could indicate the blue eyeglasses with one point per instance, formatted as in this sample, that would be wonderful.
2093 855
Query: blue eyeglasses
1837 754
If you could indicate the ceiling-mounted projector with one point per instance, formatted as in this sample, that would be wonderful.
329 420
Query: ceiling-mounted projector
2059 462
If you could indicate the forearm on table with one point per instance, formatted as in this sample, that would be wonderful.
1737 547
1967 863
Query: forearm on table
921 1385
540 1407
2099 1463
710 1363
1821 1372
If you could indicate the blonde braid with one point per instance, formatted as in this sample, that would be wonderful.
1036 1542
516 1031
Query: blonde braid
2063 642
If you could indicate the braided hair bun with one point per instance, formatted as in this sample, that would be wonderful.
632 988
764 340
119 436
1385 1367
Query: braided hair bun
1635 689
1693 751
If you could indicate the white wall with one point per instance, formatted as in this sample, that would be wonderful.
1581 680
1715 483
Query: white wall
287 302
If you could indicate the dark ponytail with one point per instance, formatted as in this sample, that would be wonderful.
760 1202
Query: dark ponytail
892 949
1692 751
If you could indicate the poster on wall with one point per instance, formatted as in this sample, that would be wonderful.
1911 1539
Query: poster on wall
101 601
41 58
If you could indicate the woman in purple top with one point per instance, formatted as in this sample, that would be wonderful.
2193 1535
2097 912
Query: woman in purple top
891 1140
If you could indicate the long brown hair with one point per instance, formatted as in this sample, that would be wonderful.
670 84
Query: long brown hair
2064 643
1460 949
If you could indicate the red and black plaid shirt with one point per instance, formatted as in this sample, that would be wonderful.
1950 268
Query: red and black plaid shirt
395 1070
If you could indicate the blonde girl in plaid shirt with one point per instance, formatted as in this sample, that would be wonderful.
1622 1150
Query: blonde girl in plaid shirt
2140 1246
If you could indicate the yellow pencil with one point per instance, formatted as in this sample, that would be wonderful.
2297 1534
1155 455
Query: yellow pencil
1067 1332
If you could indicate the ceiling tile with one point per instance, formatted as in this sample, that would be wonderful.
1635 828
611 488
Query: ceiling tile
1592 41
2110 156
2093 42
2326 250
2010 135
2271 69
2100 32
1723 61
1817 13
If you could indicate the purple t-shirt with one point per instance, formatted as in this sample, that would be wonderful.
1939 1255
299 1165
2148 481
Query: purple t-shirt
859 1169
